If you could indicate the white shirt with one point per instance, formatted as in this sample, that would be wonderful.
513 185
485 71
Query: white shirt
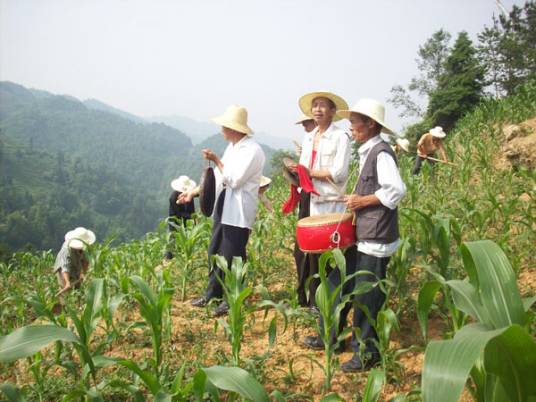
390 193
242 169
333 154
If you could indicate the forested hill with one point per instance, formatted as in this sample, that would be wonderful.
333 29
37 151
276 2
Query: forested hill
65 163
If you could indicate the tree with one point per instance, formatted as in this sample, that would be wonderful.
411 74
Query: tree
460 86
508 48
430 63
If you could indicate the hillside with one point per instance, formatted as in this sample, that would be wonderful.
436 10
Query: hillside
134 162
445 207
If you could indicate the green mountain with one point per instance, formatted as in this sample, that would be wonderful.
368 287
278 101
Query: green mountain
66 163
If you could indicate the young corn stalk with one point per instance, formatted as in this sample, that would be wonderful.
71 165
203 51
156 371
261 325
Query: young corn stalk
236 292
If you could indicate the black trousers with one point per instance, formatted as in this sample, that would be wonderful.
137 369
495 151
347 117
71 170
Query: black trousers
303 265
373 300
227 241
418 164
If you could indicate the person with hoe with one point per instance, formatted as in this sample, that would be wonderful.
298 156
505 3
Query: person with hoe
71 262
179 213
238 178
428 144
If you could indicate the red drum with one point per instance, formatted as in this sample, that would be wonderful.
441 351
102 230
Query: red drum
320 233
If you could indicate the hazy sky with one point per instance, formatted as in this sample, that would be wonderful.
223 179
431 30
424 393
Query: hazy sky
195 57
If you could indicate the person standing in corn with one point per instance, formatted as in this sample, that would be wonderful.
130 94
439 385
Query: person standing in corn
322 168
71 262
427 146
375 200
238 178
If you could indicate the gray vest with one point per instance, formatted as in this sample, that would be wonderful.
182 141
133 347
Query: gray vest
376 223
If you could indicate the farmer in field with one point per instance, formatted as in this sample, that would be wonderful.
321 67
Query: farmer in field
375 199
179 213
322 171
401 144
264 185
308 124
238 177
71 262
427 146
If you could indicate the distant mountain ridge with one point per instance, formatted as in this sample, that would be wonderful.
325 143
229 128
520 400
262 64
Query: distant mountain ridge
129 162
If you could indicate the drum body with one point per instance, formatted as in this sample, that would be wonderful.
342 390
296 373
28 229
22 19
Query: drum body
320 233
207 191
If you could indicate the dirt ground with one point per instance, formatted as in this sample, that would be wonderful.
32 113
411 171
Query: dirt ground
519 147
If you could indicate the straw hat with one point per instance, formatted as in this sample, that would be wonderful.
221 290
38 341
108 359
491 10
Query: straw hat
265 181
306 102
303 119
403 143
79 238
371 108
183 184
438 132
235 118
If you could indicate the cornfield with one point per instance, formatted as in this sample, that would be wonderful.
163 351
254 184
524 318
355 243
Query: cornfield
458 323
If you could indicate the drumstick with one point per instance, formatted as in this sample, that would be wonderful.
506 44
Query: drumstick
438 160
335 187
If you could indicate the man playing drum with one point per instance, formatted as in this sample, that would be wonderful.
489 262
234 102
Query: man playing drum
324 164
238 178
378 192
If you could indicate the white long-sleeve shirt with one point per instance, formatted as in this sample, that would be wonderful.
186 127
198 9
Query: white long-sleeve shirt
333 154
390 193
242 169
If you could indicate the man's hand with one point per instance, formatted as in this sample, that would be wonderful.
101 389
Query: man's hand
185 197
354 201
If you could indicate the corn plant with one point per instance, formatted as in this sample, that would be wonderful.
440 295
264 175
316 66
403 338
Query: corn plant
236 292
153 307
496 351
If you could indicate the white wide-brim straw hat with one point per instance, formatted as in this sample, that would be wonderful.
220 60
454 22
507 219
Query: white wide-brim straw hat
371 108
79 238
183 184
265 181
403 143
438 132
306 102
235 118
303 119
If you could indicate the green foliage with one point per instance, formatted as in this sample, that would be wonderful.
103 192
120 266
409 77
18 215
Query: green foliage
459 87
492 299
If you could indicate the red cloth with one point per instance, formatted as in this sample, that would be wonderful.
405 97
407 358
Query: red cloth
293 201
305 181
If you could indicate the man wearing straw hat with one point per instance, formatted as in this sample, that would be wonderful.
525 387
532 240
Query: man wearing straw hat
428 144
179 213
378 192
401 144
376 197
238 178
322 168
308 124
71 263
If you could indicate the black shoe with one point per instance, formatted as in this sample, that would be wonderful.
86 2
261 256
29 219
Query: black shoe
316 343
199 302
355 364
313 342
222 309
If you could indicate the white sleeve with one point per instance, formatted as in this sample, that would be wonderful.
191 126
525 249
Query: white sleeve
392 188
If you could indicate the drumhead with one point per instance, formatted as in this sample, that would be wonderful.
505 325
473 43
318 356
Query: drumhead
207 191
324 219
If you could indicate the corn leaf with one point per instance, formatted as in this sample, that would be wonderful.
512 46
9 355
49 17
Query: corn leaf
447 363
511 356
237 380
376 379
492 275
26 341
426 297
12 393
